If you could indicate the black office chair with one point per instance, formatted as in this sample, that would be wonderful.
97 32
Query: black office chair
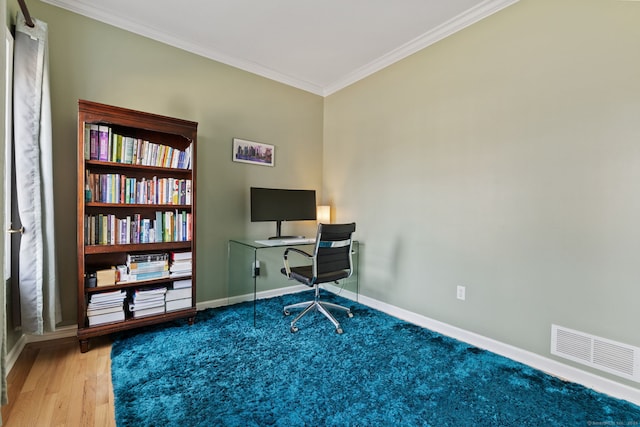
330 262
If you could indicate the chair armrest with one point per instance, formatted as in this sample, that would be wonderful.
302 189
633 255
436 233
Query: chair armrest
286 258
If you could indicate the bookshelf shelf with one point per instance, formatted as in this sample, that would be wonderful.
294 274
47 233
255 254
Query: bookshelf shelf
137 206
85 334
135 219
133 284
148 247
98 164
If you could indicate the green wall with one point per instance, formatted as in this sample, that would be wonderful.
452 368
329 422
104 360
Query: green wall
504 158
94 61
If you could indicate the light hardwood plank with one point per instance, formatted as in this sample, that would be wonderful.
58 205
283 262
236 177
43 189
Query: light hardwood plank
54 384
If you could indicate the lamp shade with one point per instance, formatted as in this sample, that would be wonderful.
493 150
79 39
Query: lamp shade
323 214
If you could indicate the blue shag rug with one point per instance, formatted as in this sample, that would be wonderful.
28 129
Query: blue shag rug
381 372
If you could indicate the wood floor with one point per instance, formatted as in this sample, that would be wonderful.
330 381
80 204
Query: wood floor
53 384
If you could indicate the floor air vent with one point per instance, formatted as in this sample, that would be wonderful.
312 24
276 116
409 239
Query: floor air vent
600 353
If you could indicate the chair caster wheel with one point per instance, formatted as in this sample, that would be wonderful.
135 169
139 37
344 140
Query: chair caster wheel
286 312
349 314
339 331
293 329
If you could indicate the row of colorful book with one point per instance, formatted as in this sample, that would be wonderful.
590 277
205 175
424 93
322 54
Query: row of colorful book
102 143
167 226
122 189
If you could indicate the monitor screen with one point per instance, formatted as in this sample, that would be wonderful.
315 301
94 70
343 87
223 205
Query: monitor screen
277 204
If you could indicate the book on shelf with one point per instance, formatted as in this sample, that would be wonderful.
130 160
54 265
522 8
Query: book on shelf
180 293
141 267
147 301
146 276
180 266
180 274
123 189
117 316
105 300
145 304
178 304
98 310
146 266
101 143
151 269
148 293
180 256
94 144
108 296
147 257
104 133
149 311
106 307
183 283
108 229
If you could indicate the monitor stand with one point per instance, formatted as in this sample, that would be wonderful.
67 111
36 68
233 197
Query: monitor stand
279 233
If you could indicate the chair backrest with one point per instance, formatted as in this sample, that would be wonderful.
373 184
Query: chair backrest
333 248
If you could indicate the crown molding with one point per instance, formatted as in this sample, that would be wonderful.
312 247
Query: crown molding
455 24
452 26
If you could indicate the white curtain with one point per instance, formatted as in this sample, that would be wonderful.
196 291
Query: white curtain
39 298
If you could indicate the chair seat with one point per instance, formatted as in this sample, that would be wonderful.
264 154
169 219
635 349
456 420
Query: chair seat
304 275
330 261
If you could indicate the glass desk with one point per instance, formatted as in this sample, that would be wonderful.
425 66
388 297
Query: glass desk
254 272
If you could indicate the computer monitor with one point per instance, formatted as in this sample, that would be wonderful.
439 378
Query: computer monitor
278 204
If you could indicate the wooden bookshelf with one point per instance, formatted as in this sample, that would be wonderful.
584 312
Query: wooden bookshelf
144 149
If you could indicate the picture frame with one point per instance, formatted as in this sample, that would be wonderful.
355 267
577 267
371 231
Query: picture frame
255 153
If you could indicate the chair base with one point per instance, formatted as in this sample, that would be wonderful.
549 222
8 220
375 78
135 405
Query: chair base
322 306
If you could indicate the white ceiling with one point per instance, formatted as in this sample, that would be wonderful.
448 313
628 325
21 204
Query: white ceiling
318 46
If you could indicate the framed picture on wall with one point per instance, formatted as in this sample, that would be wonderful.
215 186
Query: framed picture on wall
252 152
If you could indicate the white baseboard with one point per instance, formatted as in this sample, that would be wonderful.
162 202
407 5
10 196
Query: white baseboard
16 350
552 367
249 297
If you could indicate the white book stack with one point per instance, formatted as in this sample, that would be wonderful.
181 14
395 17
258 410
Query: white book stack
147 302
181 265
106 307
179 296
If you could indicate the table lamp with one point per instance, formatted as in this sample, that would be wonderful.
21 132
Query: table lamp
323 214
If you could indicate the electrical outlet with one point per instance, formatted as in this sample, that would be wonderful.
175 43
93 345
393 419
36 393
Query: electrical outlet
255 269
461 292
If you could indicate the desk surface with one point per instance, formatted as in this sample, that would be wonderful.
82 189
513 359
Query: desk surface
257 244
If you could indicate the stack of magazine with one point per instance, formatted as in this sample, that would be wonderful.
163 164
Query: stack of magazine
147 302
179 295
146 267
181 264
106 307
